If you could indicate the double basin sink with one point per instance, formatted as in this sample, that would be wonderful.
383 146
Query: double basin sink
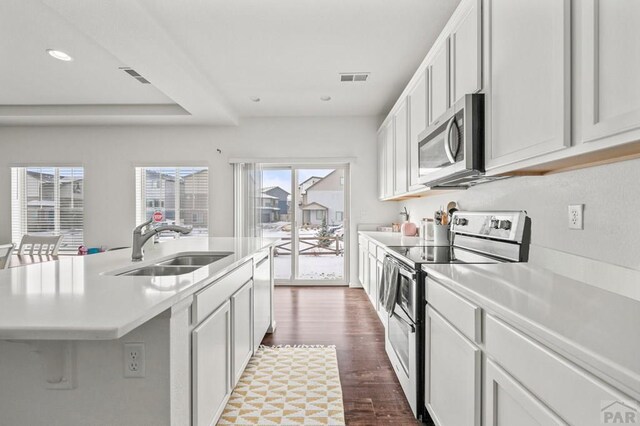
177 265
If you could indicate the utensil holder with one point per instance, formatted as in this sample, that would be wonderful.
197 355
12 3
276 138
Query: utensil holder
441 235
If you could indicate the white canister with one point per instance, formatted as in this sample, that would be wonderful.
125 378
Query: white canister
440 235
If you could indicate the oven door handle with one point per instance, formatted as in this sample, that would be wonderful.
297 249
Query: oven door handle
408 323
402 270
447 140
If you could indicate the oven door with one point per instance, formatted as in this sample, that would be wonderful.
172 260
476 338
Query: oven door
401 335
401 349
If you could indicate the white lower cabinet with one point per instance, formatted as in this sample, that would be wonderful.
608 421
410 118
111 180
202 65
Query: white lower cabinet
373 281
211 366
261 300
241 328
382 313
574 394
363 259
452 374
507 402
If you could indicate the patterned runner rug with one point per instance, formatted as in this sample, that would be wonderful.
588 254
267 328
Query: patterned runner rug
288 385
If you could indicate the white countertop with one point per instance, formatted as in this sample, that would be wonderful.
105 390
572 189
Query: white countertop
72 298
596 328
390 239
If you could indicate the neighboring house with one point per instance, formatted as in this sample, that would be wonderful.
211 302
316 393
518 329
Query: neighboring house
269 209
324 199
40 202
160 194
283 198
194 199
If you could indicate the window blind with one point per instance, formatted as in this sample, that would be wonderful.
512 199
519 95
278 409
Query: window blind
181 194
48 201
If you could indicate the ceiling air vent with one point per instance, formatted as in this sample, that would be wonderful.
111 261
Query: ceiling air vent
354 76
134 74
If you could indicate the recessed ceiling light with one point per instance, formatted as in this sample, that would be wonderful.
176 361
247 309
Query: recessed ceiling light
325 98
59 55
255 99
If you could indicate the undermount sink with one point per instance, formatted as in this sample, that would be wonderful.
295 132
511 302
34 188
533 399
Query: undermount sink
178 265
195 259
160 271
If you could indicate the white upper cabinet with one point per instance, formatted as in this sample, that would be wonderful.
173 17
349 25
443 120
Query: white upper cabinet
401 122
529 79
382 134
389 160
439 82
610 69
466 51
417 123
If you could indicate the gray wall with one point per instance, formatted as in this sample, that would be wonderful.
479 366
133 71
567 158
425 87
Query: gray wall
612 204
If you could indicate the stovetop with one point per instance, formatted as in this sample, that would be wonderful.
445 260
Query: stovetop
441 254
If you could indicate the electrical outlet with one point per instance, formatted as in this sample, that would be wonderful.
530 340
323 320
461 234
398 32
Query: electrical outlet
134 360
575 216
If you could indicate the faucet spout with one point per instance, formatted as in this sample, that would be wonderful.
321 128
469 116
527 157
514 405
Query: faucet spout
141 236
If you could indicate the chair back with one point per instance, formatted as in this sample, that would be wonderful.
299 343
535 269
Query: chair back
40 245
5 254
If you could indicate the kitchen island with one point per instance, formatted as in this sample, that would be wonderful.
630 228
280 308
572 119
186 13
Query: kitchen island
66 326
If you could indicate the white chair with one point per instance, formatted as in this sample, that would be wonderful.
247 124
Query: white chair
46 245
5 255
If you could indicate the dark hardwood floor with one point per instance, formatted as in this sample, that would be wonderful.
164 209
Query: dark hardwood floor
344 317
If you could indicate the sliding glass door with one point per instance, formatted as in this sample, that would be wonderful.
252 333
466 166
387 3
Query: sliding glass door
307 208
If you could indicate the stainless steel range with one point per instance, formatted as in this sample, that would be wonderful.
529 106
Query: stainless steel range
476 238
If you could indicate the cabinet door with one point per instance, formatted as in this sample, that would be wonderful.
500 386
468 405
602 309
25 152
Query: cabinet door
529 68
389 160
453 384
417 124
211 366
361 265
466 45
261 301
382 137
401 122
373 281
507 402
241 326
439 82
610 69
382 313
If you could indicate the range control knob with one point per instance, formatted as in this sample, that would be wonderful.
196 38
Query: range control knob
505 224
461 221
495 223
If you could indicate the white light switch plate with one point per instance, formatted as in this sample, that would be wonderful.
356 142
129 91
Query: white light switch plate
576 216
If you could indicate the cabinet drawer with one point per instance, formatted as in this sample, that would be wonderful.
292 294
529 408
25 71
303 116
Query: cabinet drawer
381 254
574 394
208 299
464 315
362 241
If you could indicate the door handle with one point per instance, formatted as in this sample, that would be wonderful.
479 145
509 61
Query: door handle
447 140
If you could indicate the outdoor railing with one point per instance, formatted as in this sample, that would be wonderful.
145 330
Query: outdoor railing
312 246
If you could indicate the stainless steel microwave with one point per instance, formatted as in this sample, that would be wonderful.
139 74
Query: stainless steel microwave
451 151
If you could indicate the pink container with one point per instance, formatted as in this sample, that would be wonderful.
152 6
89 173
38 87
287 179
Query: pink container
409 229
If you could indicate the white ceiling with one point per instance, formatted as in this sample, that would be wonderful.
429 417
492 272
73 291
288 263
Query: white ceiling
206 58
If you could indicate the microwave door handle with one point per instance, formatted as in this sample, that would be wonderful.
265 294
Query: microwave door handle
447 140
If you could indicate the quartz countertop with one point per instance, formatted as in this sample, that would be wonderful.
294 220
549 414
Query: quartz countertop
78 298
393 239
594 327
